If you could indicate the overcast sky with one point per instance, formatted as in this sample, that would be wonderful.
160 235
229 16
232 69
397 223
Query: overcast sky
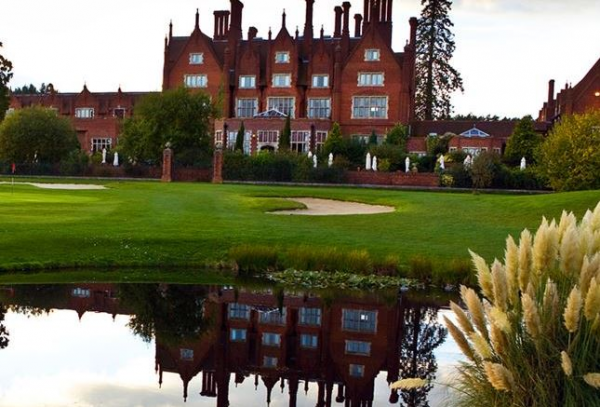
506 50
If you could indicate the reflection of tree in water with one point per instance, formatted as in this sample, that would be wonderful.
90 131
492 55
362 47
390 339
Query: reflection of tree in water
169 313
3 330
422 335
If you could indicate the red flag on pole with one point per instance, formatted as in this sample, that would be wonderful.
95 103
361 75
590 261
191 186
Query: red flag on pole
13 168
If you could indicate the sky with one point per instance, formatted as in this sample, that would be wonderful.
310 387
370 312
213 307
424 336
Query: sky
506 50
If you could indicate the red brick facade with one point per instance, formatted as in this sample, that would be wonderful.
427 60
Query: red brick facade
357 81
97 117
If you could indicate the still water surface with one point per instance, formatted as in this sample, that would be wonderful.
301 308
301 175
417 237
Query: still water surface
172 345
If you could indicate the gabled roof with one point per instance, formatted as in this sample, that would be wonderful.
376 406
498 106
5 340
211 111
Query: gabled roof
271 113
474 132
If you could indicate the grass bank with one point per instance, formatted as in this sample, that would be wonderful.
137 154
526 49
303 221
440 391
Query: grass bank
146 224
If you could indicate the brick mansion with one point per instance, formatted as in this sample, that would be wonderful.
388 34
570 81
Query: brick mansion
352 76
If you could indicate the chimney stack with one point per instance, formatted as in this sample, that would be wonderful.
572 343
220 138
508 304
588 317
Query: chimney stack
197 26
357 24
550 91
308 24
252 32
337 32
413 30
346 30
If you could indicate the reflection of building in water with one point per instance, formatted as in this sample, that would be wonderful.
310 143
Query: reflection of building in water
344 345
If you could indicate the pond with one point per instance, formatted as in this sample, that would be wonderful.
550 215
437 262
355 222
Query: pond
166 345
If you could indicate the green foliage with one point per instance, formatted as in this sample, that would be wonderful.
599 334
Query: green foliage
523 142
436 78
570 157
75 163
254 259
484 168
239 139
392 153
5 76
421 268
31 89
335 142
398 136
437 145
177 116
36 134
373 139
286 134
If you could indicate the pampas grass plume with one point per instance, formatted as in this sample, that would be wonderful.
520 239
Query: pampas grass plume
570 256
511 266
531 316
499 285
524 259
499 376
484 276
571 314
462 318
592 301
481 346
407 384
475 308
460 339
566 364
593 379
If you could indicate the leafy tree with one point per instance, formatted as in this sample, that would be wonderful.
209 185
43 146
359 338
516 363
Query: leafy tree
438 144
436 78
239 139
5 76
523 142
484 168
570 156
398 136
373 139
335 142
286 133
177 116
3 331
36 134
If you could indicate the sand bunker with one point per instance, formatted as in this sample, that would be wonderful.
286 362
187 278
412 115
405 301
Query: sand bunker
322 207
60 186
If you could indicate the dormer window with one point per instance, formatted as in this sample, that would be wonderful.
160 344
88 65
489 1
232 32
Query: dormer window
282 57
84 113
372 54
196 58
320 81
247 81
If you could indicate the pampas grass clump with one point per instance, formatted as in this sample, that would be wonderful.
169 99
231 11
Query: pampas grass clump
533 337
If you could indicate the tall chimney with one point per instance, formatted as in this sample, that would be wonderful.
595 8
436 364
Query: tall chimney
283 18
550 91
357 24
366 11
346 30
197 19
413 30
337 32
389 11
217 32
236 19
308 23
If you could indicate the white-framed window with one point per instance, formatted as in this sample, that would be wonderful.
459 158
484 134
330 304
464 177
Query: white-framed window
239 311
282 57
369 107
271 317
84 112
246 107
356 320
310 316
282 80
299 141
320 137
247 81
357 370
81 292
372 54
101 143
320 81
196 58
119 112
186 354
309 341
319 108
270 362
195 81
231 139
219 136
237 335
358 348
497 150
267 136
370 78
285 105
271 339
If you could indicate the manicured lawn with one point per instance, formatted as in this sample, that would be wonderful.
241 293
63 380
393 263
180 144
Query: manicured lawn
150 223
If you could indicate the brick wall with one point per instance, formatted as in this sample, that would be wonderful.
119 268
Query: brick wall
392 178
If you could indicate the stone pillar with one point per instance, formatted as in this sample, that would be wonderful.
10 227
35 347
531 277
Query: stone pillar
217 177
167 165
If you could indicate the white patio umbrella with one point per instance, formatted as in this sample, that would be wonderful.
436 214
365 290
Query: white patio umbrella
374 163
104 156
368 162
315 161
523 163
116 160
407 165
442 162
330 160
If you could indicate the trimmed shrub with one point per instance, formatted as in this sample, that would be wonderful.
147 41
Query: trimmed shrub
254 259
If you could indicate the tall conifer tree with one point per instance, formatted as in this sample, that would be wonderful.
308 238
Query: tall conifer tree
5 75
436 78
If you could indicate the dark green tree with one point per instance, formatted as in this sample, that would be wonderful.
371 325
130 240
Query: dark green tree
239 139
523 142
286 134
177 116
436 78
335 142
36 134
373 139
5 76
398 136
